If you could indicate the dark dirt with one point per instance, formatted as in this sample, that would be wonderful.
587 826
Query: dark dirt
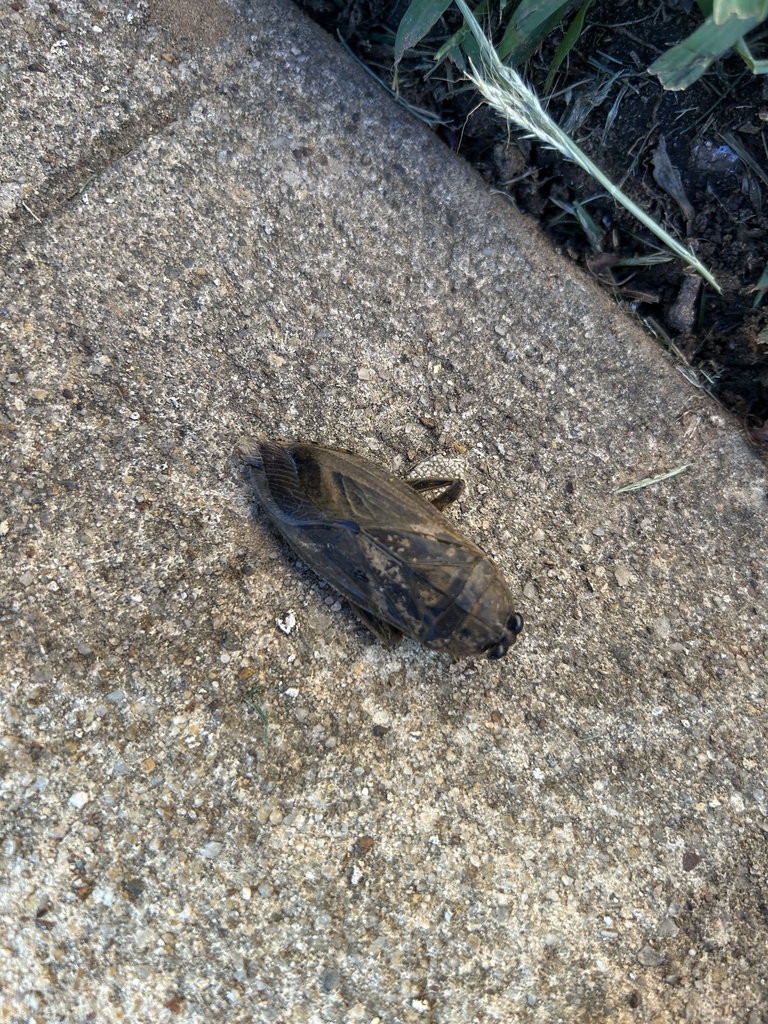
619 114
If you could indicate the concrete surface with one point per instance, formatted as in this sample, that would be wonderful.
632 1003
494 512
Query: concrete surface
217 226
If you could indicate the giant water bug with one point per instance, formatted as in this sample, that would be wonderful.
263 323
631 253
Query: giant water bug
402 565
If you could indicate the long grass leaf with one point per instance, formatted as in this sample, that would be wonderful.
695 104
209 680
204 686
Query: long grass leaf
647 481
506 92
416 22
569 40
530 22
757 66
685 63
761 287
722 10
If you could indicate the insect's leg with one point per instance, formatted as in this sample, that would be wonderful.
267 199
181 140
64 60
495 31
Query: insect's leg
451 489
388 634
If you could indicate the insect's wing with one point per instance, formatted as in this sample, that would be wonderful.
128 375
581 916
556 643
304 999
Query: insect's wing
450 489
284 486
385 547
309 485
299 487
371 536
414 568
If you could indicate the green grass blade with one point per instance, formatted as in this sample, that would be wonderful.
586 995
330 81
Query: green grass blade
685 63
722 10
531 22
586 221
570 39
761 287
755 65
454 48
416 22
649 480
589 226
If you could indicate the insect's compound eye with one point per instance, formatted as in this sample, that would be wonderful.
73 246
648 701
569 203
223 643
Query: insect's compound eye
508 637
515 624
497 651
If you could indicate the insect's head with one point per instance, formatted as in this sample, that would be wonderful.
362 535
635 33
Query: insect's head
509 635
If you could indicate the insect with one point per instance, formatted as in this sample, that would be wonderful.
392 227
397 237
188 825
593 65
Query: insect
390 552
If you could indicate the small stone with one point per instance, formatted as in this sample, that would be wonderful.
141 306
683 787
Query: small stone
330 980
691 859
79 799
211 850
623 575
134 886
288 624
662 627
668 929
648 957
363 845
366 373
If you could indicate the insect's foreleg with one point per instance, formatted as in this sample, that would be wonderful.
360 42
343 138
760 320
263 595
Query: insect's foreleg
452 488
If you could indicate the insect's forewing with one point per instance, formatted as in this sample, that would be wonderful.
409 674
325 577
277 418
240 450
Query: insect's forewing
346 519
285 485
385 548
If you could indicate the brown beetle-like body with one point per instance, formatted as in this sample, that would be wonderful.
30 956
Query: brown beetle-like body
403 566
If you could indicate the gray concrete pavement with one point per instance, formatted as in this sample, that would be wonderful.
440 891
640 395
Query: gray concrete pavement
217 227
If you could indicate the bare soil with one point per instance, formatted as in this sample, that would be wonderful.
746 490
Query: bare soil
716 138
